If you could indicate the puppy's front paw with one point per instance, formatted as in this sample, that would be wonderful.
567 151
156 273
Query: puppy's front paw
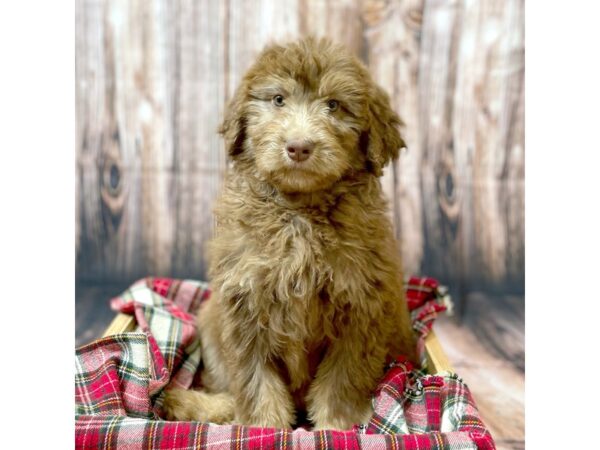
340 425
267 419
341 418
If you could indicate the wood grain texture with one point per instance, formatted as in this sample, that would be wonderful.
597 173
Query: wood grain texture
437 361
487 350
470 144
92 312
392 36
121 323
197 43
153 79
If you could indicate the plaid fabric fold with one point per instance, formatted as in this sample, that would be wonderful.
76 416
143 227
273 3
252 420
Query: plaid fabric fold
120 380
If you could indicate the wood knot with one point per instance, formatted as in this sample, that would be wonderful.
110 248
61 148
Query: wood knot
373 11
414 18
447 190
111 180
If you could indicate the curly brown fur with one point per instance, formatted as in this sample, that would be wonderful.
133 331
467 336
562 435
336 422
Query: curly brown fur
308 298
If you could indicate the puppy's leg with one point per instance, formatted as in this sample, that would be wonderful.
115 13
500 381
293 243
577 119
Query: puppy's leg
264 399
340 395
261 396
403 341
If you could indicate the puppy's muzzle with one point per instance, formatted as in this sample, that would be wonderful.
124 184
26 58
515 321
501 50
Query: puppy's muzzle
299 150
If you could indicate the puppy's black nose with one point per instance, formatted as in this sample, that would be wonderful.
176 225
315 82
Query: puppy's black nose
299 150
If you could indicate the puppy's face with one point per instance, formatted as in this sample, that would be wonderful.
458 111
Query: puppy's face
307 114
304 130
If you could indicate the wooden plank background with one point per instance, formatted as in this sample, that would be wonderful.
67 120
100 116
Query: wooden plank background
153 78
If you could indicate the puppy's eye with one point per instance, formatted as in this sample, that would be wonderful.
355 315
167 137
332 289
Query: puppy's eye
278 100
333 105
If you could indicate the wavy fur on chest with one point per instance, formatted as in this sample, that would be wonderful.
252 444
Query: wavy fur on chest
297 270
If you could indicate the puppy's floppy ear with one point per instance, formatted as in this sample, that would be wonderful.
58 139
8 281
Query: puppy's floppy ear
381 141
233 127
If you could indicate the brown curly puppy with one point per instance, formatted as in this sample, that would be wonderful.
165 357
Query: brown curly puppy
308 299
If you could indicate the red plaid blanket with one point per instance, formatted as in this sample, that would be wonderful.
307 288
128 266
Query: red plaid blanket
120 380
